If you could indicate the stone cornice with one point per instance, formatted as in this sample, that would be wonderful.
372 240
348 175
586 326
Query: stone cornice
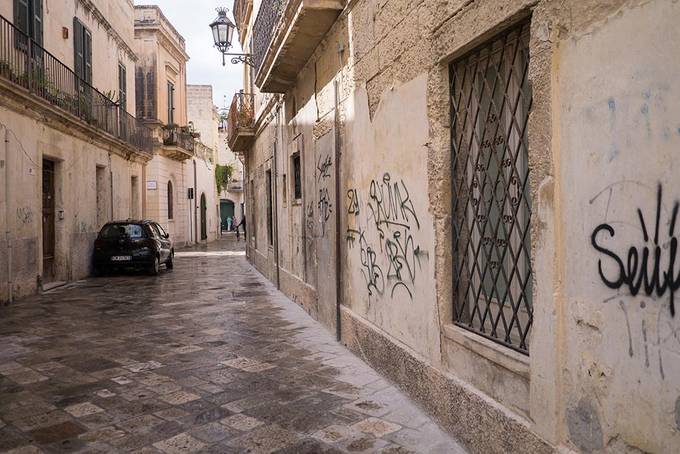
24 103
99 17
162 28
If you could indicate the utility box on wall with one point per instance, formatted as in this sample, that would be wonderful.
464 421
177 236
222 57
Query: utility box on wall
190 193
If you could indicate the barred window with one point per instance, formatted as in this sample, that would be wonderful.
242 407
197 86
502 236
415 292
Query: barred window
490 103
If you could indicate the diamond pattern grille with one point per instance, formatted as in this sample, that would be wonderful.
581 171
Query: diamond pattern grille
490 102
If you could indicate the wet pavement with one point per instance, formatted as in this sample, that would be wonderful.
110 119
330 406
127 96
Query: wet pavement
207 358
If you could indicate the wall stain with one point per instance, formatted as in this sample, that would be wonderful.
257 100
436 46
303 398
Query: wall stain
585 430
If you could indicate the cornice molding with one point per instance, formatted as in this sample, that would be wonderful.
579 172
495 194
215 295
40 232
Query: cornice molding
88 6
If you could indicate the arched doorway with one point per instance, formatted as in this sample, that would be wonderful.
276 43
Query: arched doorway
227 210
204 209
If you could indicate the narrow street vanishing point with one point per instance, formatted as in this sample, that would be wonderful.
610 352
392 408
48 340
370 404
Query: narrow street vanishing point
208 357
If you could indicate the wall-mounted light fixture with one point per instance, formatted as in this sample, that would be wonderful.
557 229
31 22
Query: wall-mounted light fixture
223 32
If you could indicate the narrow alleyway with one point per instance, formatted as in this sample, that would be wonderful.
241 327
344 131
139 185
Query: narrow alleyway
208 357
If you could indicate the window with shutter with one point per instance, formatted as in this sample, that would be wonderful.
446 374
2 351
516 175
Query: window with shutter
171 103
78 54
122 85
82 48
21 21
37 22
87 41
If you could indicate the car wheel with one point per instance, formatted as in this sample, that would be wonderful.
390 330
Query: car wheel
169 264
155 267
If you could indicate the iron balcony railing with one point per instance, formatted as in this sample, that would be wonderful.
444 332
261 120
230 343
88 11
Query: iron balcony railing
241 113
179 136
266 24
25 63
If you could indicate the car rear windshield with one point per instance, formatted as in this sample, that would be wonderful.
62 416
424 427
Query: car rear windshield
122 231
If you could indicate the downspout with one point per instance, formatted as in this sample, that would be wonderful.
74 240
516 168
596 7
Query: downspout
111 185
276 199
195 207
8 232
338 236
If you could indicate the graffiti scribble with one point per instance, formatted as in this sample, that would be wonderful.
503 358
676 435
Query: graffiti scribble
635 273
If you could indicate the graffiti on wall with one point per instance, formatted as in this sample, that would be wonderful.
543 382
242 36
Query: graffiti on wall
324 204
391 259
645 273
635 274
24 215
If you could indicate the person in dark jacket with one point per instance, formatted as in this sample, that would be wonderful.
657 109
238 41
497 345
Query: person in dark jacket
241 224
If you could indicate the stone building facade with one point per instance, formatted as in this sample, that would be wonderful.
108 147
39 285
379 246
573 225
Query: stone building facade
161 85
477 197
72 157
204 120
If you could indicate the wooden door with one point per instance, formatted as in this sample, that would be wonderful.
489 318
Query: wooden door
48 212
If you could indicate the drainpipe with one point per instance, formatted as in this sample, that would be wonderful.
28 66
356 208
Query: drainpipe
338 236
195 207
276 200
111 185
8 233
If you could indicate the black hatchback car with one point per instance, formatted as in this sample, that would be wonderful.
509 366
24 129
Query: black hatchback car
132 244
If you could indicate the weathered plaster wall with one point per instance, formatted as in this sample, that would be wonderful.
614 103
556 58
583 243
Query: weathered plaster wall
389 277
622 362
77 221
160 170
601 374
202 113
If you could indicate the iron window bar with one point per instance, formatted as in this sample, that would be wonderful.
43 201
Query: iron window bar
491 206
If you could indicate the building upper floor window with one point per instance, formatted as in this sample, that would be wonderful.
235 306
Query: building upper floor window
297 177
28 18
490 102
122 85
82 51
170 201
171 103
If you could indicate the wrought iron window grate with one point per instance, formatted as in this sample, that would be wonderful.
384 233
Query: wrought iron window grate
490 103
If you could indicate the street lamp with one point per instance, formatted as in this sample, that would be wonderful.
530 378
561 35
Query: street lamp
223 32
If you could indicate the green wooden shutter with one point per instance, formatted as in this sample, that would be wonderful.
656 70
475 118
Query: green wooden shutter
37 24
21 15
87 41
78 58
122 85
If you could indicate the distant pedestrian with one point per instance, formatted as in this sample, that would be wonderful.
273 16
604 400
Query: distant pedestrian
229 223
241 224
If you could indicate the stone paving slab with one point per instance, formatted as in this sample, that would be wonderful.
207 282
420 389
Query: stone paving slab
206 358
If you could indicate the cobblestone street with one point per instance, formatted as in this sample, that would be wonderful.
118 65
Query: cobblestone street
208 357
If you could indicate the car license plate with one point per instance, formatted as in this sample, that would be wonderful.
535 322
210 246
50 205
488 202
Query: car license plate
121 258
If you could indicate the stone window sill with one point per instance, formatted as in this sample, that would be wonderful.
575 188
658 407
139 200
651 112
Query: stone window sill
496 353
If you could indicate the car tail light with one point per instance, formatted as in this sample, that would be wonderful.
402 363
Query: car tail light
98 243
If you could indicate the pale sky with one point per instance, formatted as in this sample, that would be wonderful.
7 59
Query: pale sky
191 19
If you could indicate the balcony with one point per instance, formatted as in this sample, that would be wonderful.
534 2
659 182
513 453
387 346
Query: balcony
285 34
235 186
35 72
178 142
241 122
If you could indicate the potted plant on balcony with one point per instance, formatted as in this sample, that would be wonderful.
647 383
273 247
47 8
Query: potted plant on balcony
170 134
